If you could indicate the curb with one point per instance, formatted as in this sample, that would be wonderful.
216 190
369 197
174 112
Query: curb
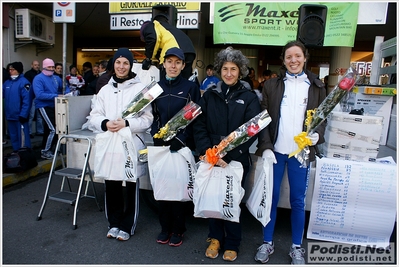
43 166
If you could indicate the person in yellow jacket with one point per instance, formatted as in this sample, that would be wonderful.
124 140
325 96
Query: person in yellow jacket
160 35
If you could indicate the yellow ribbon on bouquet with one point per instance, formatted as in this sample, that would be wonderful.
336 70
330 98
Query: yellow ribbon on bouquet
302 139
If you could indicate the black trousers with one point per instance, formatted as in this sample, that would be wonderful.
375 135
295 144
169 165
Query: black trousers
120 204
172 217
226 232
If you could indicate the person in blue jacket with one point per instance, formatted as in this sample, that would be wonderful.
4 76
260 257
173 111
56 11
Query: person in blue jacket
177 93
47 87
18 98
210 79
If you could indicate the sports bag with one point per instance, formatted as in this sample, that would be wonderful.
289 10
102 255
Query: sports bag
19 161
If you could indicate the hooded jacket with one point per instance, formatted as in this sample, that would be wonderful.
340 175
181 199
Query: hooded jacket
113 99
272 93
18 97
221 115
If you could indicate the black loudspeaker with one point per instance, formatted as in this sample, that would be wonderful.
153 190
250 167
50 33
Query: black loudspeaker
311 24
168 12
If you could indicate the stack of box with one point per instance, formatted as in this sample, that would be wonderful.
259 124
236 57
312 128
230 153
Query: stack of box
373 104
352 137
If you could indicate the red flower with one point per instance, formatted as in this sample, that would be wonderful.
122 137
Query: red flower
347 83
253 130
188 115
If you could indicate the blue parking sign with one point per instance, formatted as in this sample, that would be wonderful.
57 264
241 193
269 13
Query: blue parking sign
64 12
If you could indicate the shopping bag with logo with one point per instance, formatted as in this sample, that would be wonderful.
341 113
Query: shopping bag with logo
116 157
171 174
218 191
259 202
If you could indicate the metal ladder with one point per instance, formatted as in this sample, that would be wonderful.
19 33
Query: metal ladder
70 197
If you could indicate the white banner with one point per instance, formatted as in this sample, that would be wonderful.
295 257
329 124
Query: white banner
372 13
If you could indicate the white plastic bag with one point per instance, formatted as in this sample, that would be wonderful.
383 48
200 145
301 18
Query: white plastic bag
218 191
116 157
259 202
146 76
171 174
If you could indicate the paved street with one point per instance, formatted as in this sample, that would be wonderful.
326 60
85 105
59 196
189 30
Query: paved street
53 241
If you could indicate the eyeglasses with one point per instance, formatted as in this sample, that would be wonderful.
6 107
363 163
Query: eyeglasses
10 69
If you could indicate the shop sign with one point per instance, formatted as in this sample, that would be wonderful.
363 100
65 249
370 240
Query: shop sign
141 7
185 20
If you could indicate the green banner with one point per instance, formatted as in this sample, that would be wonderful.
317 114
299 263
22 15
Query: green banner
266 23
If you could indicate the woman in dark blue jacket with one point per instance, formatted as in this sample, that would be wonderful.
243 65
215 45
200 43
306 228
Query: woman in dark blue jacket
18 98
225 107
177 92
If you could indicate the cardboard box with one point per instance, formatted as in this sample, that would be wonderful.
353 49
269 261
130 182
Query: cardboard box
344 156
352 137
379 105
354 128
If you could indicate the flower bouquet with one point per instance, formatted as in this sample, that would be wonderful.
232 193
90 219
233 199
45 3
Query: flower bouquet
179 121
314 118
142 99
237 137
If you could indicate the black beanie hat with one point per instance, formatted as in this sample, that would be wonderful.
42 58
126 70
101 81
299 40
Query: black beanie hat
123 52
17 66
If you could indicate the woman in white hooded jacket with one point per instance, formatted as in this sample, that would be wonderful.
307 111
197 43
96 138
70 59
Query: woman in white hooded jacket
106 115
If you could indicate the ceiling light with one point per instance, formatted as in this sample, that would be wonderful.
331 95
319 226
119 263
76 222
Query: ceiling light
97 49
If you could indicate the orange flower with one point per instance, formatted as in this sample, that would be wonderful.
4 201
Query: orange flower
241 135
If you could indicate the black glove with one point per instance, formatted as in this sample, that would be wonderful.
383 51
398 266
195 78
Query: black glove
146 64
22 120
175 145
159 142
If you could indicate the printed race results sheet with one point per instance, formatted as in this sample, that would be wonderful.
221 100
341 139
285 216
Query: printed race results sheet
353 202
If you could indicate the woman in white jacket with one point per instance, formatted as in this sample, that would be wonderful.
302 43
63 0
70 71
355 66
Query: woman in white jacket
106 115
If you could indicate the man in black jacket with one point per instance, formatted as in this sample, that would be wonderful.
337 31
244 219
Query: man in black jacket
30 75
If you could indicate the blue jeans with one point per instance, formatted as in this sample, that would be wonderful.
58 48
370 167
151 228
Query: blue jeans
15 130
298 183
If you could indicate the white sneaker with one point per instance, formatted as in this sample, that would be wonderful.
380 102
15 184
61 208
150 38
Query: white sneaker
47 154
123 236
113 232
297 255
263 253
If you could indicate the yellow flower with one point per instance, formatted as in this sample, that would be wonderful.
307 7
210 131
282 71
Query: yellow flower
162 132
